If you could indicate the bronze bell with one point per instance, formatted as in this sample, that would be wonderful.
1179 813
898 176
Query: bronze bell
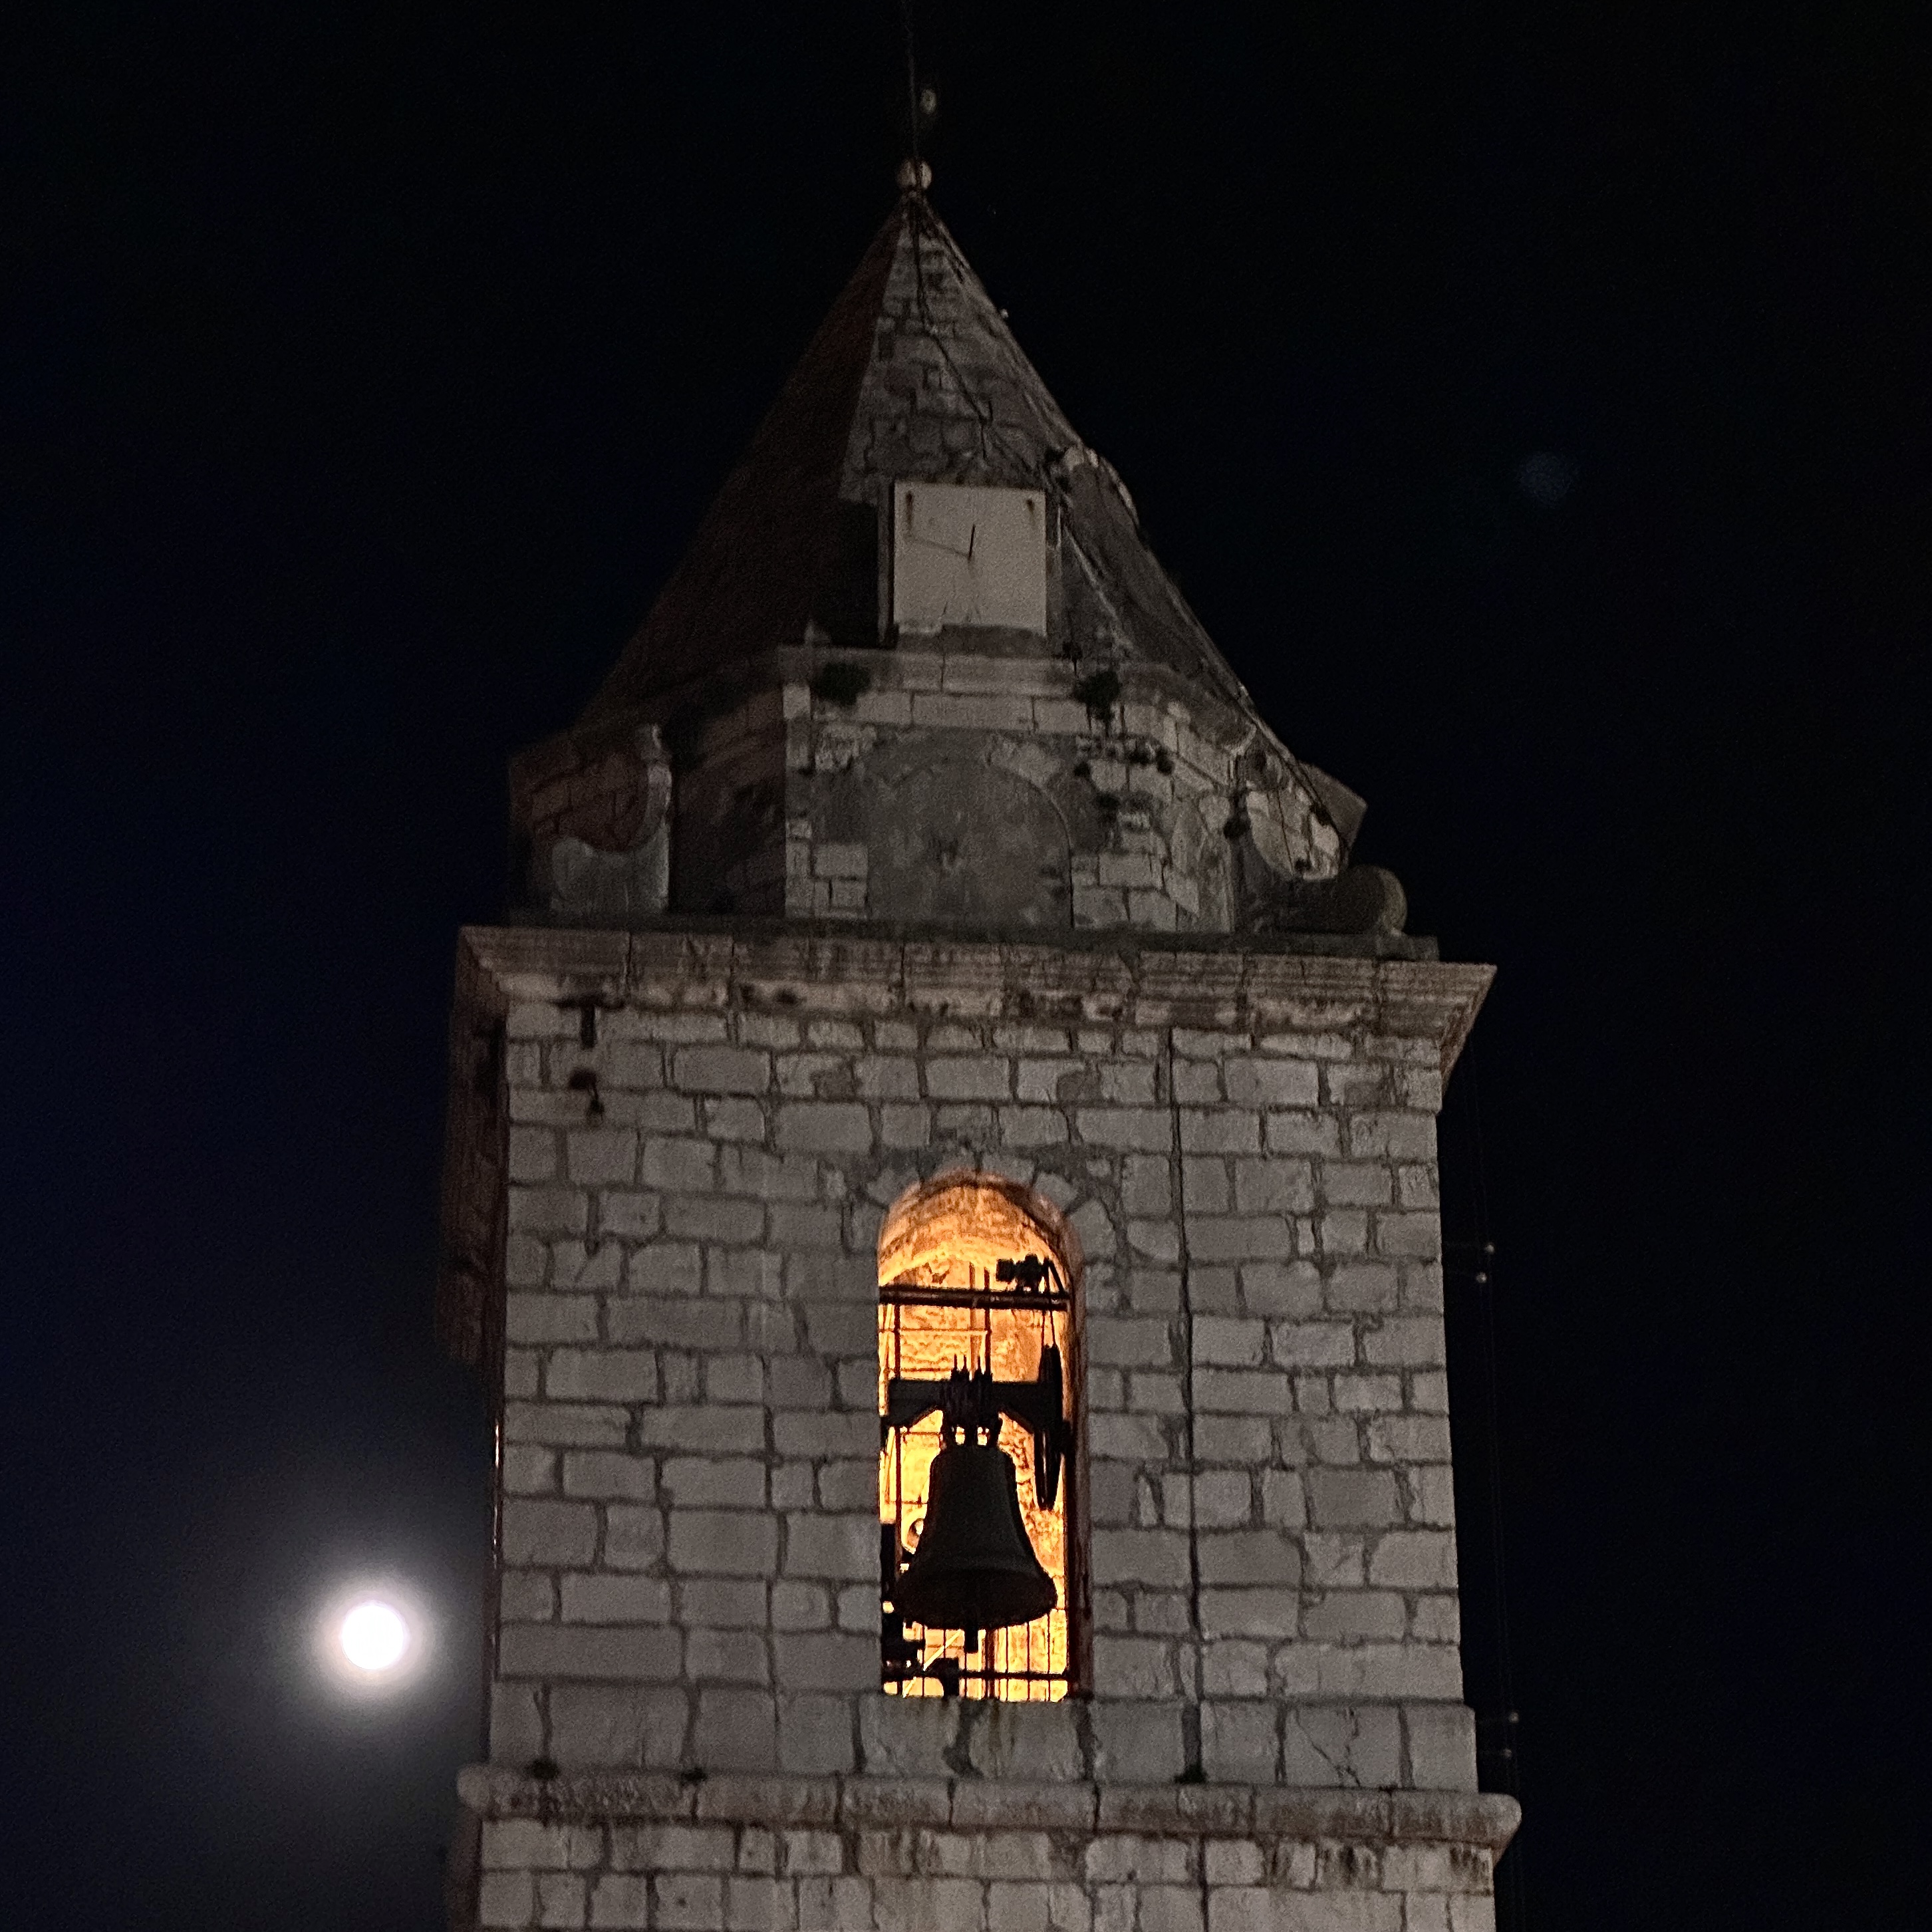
975 1567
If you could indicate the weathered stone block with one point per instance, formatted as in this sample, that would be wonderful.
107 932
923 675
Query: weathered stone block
526 1596
1134 1667
726 1657
602 1157
1138 1859
1416 1559
826 1661
549 1211
539 1532
731 1482
598 1599
620 1900
516 1724
1147 1556
1341 1745
1347 1614
1229 1343
1342 1183
1249 1556
1137 1743
1251 1081
843 1547
562 1423
815 1738
1398 1136
634 1537
1366 1395
823 1127
533 1153
1037 1743
1370 1286
1231 1669
1239 1237
1349 1499
727 1543
1219 1130
678 1166
562 1900
1413 1342
1221 1499
602 1375
1274 1186
687 1902
1141 1129
1240 1742
1170 1908
508 1898
1441 1746
1243 1612
556 1650
528 1471
735 1730
1125 1341
1279 1288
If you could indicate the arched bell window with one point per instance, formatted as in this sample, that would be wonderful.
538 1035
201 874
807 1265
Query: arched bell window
981 1575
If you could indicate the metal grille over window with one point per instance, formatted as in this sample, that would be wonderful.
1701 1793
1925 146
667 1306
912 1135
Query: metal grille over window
978 1376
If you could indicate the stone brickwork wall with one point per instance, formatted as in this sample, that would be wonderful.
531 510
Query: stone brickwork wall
903 799
954 785
858 1854
697 1173
693 1139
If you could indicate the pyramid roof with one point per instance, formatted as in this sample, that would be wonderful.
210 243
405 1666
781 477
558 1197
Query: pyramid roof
914 376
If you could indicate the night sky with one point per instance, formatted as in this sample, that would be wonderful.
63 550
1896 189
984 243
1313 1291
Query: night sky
1535 401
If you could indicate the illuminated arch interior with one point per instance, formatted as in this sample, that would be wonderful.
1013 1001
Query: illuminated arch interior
950 1235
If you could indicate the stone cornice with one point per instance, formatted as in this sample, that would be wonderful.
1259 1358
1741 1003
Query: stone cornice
1255 1812
1137 979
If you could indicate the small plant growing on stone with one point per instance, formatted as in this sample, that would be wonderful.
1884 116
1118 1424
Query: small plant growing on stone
1099 691
841 682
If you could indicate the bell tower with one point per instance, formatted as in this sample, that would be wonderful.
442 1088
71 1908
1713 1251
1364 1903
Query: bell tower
941 1188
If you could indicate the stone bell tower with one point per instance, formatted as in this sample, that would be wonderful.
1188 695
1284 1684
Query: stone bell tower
941 1186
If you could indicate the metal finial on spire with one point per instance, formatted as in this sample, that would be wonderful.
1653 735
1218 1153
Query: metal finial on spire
915 176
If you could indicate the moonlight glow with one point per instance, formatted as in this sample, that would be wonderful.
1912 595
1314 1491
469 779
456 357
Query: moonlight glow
375 1637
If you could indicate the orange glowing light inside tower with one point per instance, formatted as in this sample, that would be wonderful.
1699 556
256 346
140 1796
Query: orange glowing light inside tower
952 1234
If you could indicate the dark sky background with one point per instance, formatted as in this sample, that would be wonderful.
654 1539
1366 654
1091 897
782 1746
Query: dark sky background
362 379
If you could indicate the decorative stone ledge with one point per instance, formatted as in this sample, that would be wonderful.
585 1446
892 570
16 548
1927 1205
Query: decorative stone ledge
1141 980
1259 1814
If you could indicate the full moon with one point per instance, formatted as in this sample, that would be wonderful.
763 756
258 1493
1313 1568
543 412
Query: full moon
374 1635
